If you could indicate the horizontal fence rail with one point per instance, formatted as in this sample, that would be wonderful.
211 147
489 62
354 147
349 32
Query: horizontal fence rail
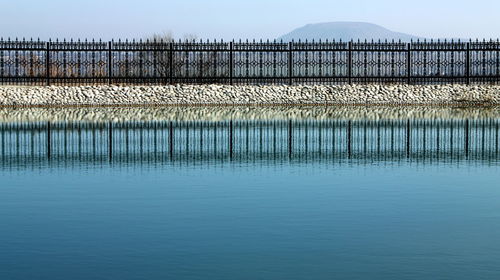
192 142
29 62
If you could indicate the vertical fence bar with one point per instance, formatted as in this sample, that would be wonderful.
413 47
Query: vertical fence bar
408 63
231 62
467 64
349 62
290 63
171 63
2 65
47 64
110 63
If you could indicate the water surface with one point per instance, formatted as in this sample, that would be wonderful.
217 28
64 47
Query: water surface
315 197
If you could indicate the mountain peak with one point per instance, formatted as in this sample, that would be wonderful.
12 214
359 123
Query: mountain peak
345 31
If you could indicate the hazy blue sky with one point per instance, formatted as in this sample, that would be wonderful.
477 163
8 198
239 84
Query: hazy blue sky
241 19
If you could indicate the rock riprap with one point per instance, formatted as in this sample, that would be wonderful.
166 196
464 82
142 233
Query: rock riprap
248 94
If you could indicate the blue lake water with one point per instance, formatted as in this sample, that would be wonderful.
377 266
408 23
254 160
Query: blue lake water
245 199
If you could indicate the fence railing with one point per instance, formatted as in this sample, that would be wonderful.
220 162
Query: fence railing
326 62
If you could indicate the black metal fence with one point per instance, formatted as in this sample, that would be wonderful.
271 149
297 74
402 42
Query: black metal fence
165 62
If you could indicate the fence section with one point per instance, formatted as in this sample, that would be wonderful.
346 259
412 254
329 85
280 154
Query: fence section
165 62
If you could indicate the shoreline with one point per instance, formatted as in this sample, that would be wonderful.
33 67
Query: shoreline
245 95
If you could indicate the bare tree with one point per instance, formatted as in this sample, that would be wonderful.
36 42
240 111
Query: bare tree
160 43
164 36
185 63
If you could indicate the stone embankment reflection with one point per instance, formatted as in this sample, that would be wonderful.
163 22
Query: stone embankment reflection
222 113
247 94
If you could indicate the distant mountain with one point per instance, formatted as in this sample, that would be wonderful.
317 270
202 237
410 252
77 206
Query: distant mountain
345 31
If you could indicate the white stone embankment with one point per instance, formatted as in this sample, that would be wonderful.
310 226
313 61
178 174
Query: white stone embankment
269 94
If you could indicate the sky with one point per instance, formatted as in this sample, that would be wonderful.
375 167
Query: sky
230 19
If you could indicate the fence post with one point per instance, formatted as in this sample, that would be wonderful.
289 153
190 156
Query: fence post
110 65
231 63
349 62
171 63
47 64
408 63
467 63
290 63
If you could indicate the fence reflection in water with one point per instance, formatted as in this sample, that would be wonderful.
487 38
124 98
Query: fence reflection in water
34 144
